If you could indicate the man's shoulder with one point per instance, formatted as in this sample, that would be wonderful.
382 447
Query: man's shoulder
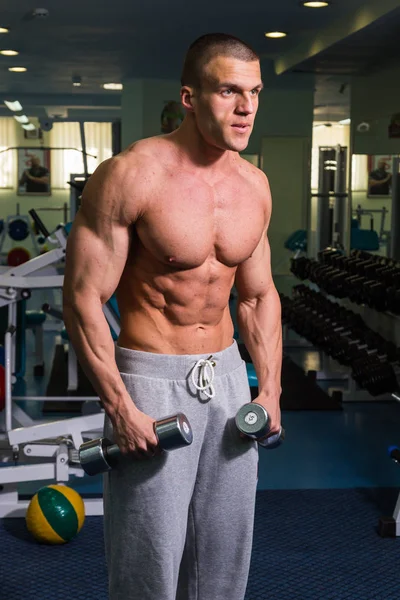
142 161
128 179
131 164
254 176
144 152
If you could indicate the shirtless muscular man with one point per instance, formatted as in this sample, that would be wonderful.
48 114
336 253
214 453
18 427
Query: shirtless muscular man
170 225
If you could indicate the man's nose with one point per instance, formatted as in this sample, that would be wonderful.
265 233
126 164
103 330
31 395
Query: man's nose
246 104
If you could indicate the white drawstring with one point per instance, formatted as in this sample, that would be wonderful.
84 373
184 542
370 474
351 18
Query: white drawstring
205 377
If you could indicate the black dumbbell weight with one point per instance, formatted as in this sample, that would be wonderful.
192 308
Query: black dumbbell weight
376 376
300 267
252 419
101 455
326 256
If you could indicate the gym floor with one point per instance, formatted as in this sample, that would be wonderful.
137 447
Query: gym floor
320 496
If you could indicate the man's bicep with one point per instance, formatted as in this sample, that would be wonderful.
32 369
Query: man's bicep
95 262
253 277
99 240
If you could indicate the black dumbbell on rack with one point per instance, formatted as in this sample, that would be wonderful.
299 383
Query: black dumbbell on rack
362 277
375 375
344 336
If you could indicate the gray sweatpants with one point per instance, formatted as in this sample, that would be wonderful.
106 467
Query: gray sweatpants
179 526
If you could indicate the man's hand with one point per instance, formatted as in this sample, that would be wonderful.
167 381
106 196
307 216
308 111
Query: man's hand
134 432
271 405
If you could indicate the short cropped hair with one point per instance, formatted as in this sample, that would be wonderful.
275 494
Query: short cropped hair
209 46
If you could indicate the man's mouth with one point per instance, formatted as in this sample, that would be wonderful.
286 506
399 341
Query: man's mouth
241 126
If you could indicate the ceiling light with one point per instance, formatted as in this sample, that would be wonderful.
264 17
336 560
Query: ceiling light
9 52
76 81
4 30
21 119
14 106
315 4
29 127
275 34
113 86
18 69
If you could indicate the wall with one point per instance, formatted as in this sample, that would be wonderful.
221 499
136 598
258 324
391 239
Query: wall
283 129
374 99
282 112
131 112
157 93
142 105
289 193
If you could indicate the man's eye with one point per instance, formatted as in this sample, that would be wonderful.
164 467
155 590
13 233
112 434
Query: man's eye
227 92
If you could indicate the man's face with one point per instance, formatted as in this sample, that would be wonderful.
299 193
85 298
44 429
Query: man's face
227 103
382 165
35 162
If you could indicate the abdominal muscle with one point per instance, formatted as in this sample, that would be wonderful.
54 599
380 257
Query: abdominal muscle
166 310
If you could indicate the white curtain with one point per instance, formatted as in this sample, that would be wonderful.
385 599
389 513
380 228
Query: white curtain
8 158
67 135
98 142
359 177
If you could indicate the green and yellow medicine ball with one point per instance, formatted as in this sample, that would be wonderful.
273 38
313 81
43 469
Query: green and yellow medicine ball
55 514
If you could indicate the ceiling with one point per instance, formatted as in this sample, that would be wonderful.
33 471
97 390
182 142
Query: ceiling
114 41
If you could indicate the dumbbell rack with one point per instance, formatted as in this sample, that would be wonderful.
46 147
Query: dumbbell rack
336 371
332 278
368 287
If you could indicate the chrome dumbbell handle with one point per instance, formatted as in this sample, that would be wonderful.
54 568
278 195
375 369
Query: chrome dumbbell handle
101 455
252 419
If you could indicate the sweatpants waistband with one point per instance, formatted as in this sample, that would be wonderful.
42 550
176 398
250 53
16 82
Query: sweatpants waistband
174 366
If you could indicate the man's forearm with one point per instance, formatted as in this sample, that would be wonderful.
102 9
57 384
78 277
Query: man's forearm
259 321
90 336
39 179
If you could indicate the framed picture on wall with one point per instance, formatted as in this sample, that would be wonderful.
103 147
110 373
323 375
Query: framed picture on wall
379 175
33 172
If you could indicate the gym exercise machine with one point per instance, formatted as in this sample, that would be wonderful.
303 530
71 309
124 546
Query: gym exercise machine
390 526
77 182
18 227
332 210
331 198
359 213
45 450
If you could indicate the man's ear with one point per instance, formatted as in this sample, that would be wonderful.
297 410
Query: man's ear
187 98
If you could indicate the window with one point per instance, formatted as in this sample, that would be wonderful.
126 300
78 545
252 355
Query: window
359 173
67 135
8 158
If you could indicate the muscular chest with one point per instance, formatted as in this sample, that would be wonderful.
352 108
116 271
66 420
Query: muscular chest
186 224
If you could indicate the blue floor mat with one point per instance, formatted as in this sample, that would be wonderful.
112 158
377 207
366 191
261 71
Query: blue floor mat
308 545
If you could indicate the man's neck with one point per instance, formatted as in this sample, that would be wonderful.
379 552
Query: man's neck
197 151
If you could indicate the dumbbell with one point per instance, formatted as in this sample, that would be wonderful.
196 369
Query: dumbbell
252 419
101 455
374 375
